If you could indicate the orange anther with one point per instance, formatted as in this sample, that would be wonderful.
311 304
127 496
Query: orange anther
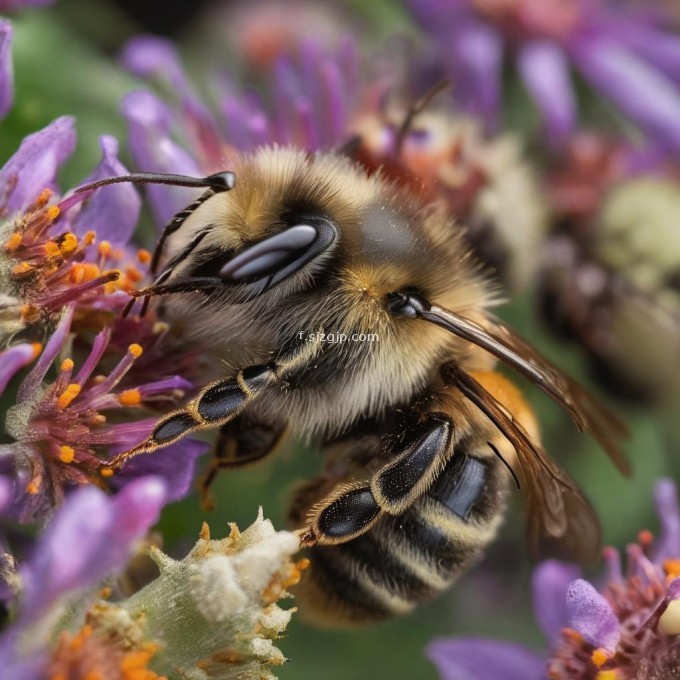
37 347
105 248
672 567
22 268
134 274
68 243
67 365
136 350
51 249
106 472
68 395
130 398
53 212
144 256
32 489
600 657
66 454
13 242
89 238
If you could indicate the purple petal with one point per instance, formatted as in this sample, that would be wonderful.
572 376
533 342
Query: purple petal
112 212
148 56
5 492
658 48
34 166
479 659
90 537
149 127
31 382
549 584
175 465
476 56
6 68
14 359
545 71
667 508
643 93
592 616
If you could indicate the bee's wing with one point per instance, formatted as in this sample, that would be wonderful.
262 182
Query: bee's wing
561 522
586 411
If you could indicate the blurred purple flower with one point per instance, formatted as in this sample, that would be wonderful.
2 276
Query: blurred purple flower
6 69
89 539
624 53
626 629
17 5
311 97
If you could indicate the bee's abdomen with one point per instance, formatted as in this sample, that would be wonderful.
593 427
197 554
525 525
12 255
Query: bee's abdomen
409 558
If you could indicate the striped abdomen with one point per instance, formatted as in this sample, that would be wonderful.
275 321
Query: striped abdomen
410 558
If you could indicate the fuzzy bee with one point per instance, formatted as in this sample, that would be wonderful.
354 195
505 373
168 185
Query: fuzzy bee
419 431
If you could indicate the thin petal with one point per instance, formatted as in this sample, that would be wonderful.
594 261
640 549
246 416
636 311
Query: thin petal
151 57
657 47
112 212
549 584
545 71
13 360
666 500
6 68
643 93
592 616
175 465
479 659
34 166
154 151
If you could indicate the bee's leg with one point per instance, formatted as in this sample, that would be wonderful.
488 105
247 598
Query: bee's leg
221 401
413 464
240 442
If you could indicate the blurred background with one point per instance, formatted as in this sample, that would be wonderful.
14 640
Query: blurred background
595 287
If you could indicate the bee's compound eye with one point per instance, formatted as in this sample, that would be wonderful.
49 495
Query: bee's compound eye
271 255
349 514
406 303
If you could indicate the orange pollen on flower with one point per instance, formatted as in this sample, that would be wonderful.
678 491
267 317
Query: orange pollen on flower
13 242
22 268
136 350
44 196
66 365
53 212
37 348
83 272
68 395
51 249
600 657
105 248
645 538
32 489
672 568
89 238
144 256
66 454
68 244
130 398
134 274
106 472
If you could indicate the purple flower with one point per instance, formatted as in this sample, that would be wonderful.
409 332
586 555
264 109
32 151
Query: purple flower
6 70
627 628
626 54
89 539
67 266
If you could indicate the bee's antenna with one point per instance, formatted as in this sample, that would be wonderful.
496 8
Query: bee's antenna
417 108
220 181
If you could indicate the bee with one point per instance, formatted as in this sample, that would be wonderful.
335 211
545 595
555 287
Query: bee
421 435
